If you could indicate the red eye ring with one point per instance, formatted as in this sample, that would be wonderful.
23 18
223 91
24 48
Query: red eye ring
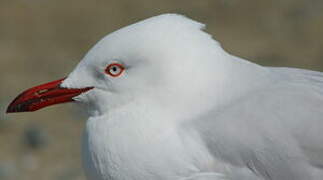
114 69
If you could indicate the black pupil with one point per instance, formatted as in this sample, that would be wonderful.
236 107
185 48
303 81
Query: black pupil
114 68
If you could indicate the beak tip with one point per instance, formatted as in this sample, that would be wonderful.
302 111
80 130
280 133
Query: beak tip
15 107
8 111
12 109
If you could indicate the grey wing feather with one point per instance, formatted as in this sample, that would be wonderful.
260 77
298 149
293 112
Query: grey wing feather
275 132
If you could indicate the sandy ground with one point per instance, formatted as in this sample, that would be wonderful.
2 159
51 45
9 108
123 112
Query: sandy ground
42 40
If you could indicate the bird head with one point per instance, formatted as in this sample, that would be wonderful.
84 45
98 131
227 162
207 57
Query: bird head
167 59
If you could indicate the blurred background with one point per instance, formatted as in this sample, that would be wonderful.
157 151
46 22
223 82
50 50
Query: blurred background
42 40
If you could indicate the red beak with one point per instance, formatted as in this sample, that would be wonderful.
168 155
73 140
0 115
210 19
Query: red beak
42 96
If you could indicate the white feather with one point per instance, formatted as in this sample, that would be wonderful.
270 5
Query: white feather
184 109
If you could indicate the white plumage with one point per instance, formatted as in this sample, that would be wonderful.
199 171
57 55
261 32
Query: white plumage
184 109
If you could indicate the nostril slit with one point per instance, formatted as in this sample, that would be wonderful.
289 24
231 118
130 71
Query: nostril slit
42 91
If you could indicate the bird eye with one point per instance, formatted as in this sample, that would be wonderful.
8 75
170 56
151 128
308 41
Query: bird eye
114 69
